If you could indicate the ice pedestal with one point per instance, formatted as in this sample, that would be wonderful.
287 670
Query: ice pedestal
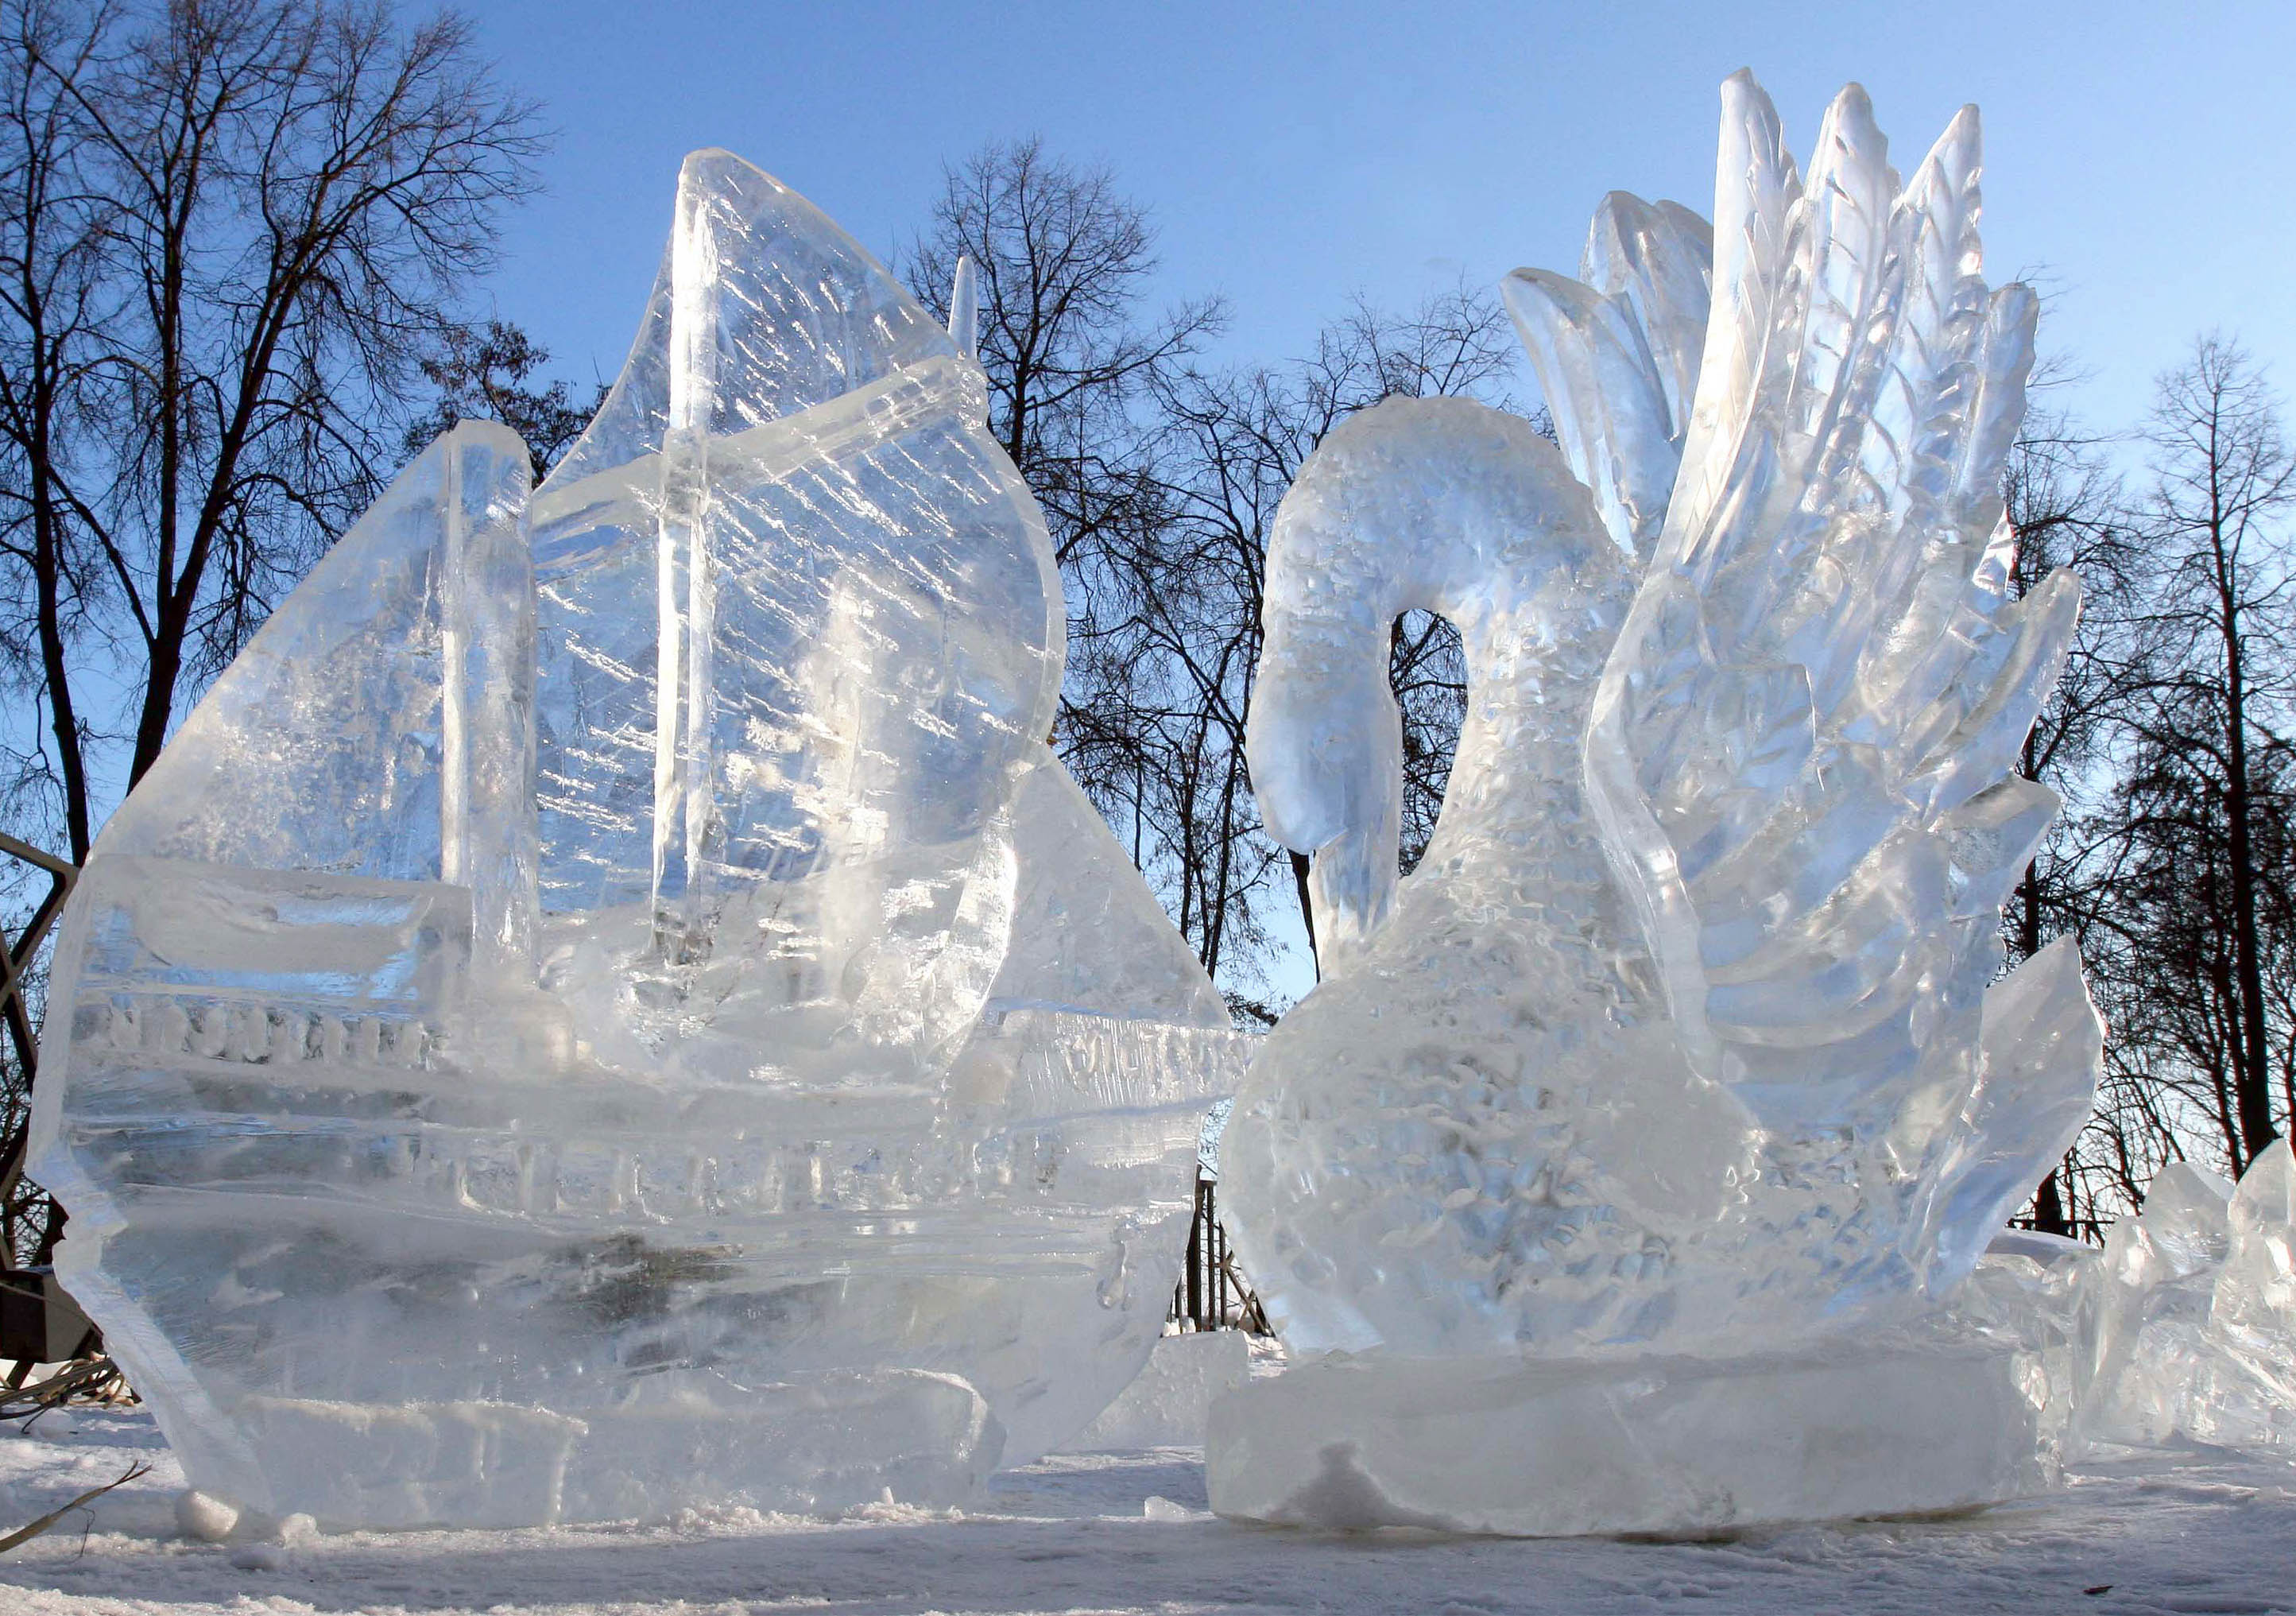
828 1442
1664 1444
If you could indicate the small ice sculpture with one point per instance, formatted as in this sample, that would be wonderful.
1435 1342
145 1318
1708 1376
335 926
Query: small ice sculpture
611 1003
1612 1177
2197 1313
2034 1294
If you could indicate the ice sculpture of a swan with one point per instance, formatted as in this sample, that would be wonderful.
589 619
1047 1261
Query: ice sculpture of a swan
1635 1138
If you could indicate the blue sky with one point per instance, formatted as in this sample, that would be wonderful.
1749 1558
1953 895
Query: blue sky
2139 156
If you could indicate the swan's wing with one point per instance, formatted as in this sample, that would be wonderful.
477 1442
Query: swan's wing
1801 750
1617 353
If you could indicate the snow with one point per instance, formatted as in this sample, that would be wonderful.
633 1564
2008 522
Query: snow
2200 1531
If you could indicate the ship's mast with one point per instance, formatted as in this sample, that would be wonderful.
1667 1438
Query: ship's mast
685 583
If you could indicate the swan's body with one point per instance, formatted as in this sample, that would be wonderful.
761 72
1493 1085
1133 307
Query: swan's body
1679 1034
1500 985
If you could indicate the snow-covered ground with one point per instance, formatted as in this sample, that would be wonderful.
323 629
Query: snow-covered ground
1129 1532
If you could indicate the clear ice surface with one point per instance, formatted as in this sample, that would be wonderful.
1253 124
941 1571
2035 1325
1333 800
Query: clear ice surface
1682 1043
610 1002
1168 1404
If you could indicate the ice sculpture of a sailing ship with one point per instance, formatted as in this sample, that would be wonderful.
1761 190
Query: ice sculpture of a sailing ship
610 1001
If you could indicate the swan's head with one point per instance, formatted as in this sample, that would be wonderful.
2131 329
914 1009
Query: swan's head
1442 504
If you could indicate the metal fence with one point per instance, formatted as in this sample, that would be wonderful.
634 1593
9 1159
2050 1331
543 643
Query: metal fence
29 1221
1211 1293
38 1322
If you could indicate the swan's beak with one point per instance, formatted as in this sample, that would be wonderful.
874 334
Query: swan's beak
1352 886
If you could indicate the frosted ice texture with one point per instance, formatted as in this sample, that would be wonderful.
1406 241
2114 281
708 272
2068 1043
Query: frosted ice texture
1672 1444
611 1003
2196 1299
1973 1405
1680 1037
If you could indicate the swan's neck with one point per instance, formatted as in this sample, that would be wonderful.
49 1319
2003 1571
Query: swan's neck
1515 824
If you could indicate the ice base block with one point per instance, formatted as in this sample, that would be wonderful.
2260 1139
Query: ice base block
1656 1444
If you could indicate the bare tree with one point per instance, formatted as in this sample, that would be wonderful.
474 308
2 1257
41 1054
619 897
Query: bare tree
56 301
1064 262
2173 983
1159 479
2065 506
230 231
33 887
1076 364
480 374
2206 792
1074 360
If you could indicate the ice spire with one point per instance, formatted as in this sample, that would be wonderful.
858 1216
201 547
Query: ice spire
685 603
965 308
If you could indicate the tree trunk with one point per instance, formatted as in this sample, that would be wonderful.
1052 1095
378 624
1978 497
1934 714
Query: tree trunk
2252 1073
2049 1207
63 718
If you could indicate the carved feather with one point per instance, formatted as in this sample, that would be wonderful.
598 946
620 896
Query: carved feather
1799 753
